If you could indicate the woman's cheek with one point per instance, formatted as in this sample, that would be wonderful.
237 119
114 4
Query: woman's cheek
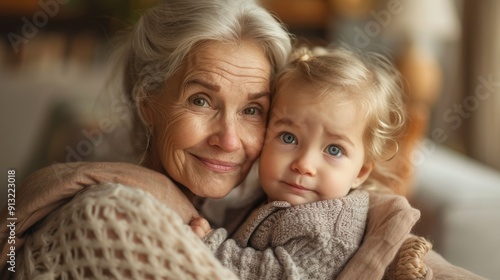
184 131
252 137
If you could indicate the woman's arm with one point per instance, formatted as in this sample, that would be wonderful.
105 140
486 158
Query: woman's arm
50 187
113 231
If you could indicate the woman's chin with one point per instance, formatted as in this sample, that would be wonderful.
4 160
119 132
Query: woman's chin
214 185
214 192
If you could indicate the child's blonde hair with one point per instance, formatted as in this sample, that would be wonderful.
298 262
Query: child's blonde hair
368 79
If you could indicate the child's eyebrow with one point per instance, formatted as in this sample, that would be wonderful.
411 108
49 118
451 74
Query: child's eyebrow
284 122
341 137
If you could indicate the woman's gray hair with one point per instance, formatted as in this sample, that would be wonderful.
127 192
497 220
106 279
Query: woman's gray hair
166 33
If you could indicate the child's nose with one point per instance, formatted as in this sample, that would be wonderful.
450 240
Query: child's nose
305 164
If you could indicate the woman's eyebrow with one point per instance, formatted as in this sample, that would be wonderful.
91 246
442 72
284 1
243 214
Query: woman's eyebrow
216 88
257 95
204 84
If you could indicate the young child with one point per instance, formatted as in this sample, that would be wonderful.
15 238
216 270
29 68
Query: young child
335 116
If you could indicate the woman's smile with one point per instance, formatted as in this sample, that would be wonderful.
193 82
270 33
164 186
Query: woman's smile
217 165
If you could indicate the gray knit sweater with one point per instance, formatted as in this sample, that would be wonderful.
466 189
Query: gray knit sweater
310 241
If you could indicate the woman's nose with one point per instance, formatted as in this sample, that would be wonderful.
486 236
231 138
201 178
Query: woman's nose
226 135
305 164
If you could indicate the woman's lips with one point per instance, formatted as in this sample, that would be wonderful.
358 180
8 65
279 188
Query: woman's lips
217 165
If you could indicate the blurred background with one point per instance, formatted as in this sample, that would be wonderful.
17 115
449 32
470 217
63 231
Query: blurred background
54 67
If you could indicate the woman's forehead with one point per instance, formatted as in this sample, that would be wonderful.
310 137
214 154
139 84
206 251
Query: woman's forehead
237 70
245 56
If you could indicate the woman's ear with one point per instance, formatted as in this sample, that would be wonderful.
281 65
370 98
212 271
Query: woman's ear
363 174
146 112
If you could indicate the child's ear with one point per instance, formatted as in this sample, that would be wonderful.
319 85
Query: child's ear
363 174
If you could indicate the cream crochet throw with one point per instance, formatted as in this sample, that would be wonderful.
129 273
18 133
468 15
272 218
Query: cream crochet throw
111 231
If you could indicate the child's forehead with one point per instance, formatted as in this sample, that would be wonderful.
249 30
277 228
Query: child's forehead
308 116
298 86
314 91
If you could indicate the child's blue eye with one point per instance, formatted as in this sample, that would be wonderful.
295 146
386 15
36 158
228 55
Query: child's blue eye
334 151
288 138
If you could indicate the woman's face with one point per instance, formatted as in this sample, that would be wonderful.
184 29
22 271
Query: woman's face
209 124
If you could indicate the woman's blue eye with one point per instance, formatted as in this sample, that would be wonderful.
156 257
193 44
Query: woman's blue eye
251 111
334 151
288 138
199 101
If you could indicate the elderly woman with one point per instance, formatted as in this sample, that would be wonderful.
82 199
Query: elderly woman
198 74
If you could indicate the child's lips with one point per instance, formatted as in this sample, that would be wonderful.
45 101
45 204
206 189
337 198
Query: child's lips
297 186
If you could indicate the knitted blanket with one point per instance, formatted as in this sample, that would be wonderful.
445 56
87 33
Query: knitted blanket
116 232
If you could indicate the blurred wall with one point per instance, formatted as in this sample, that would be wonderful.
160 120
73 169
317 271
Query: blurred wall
53 68
480 109
460 38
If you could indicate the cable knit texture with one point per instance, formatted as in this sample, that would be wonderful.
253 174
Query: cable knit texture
116 232
310 241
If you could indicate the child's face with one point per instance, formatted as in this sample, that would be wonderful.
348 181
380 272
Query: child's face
314 146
